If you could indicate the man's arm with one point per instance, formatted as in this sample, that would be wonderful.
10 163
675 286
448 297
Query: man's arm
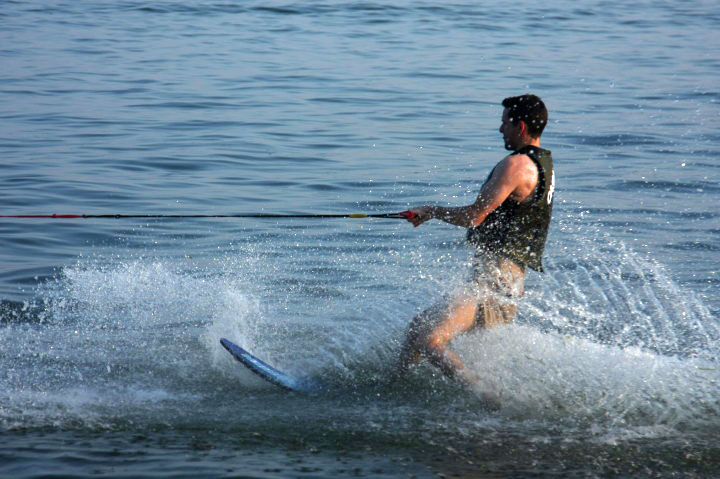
515 177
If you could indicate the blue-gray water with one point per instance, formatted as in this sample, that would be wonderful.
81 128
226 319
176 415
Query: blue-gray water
109 355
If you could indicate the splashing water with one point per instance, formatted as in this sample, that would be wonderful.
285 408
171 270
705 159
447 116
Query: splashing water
604 340
603 291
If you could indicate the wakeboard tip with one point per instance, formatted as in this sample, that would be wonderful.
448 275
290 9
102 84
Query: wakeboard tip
270 373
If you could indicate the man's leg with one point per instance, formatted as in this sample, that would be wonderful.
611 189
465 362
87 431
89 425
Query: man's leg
498 283
430 334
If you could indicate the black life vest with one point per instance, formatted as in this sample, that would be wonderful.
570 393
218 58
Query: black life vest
518 230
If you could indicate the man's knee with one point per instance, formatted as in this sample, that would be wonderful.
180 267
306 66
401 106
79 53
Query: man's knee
434 343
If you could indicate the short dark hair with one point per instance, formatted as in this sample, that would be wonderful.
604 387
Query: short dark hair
530 109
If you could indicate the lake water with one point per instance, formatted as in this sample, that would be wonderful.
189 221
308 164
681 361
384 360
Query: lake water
109 356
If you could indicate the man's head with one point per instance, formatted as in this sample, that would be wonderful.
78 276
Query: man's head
524 117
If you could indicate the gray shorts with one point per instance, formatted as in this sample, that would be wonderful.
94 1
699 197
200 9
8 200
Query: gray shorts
499 283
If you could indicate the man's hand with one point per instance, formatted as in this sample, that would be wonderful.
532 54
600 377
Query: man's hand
420 215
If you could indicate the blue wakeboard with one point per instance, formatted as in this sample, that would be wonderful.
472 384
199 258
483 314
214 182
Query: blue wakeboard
269 373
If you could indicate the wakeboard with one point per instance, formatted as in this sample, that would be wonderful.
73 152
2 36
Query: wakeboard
269 373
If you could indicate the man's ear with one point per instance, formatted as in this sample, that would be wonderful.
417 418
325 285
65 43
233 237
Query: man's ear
523 127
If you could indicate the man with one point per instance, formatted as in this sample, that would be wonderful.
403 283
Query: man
508 224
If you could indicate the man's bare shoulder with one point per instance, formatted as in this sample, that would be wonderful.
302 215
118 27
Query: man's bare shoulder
520 173
517 163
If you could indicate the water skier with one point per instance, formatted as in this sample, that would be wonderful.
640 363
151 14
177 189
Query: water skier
508 225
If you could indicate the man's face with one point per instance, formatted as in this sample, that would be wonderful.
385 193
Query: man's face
510 132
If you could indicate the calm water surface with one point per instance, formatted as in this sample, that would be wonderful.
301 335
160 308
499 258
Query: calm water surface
109 328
